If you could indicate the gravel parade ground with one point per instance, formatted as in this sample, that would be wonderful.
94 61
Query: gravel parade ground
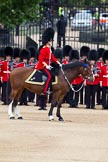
82 137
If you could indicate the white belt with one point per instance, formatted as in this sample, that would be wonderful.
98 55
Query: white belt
7 72
105 76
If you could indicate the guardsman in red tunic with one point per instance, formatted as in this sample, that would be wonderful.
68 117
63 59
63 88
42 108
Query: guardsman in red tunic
58 53
104 80
32 62
76 83
99 65
12 65
66 54
6 69
41 100
84 52
24 58
46 56
33 56
1 59
91 87
66 59
16 56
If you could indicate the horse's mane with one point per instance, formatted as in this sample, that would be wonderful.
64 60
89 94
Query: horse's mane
73 64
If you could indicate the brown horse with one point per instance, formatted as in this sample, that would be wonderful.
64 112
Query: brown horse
66 75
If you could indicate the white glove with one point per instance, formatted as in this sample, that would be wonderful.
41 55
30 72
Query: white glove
100 83
60 65
48 67
85 83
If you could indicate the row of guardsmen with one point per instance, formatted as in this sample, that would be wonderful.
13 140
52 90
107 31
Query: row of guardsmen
95 92
12 58
92 93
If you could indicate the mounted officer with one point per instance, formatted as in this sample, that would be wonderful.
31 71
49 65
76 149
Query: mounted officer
46 56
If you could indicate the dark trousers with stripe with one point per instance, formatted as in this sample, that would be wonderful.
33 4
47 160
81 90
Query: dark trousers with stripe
43 100
99 95
90 94
105 97
23 98
73 97
47 84
6 90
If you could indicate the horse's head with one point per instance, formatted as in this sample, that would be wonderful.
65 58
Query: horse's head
86 71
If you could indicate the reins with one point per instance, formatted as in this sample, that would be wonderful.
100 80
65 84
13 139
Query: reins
70 85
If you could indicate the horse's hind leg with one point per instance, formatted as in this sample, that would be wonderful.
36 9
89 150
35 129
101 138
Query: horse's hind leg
10 112
13 109
16 110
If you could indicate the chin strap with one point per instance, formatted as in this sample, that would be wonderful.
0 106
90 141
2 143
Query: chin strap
70 85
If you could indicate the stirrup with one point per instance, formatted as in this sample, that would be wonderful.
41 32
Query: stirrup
48 92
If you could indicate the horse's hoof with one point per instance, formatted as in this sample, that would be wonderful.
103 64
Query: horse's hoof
20 117
51 119
61 119
12 117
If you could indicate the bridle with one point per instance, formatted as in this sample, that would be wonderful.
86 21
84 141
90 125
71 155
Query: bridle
87 77
70 84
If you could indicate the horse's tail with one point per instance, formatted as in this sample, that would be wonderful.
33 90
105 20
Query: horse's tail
8 92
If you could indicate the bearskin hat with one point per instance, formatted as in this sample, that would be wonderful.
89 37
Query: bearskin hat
74 55
105 55
48 35
24 54
32 51
1 52
58 53
84 51
16 52
66 50
8 51
93 55
100 52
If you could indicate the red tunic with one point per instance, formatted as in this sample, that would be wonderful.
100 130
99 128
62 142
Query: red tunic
95 82
21 64
64 61
100 64
45 56
1 75
104 75
96 77
5 69
78 80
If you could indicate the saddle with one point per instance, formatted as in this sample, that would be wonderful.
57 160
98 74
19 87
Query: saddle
39 78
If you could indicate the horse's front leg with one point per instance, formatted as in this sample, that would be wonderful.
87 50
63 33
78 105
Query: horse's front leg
60 118
50 114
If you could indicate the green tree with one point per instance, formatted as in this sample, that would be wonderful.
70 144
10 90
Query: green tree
14 12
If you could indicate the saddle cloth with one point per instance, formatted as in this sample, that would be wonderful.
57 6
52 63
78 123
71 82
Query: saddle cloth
37 77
